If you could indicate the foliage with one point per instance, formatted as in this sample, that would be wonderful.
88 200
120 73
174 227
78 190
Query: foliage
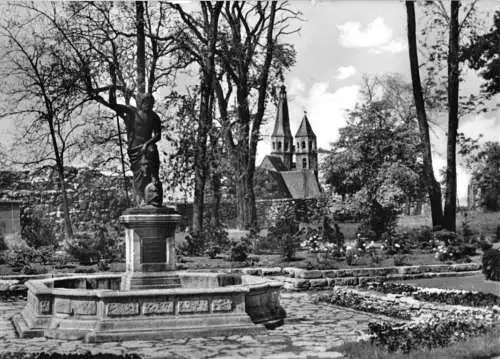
24 257
491 264
34 230
211 241
452 246
430 334
239 251
284 228
483 346
444 296
90 245
377 159
421 237
485 167
397 243
483 54
497 233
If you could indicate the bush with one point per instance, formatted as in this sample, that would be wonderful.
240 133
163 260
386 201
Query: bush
284 233
203 242
288 247
21 257
430 334
396 243
497 234
239 251
91 245
36 231
421 237
491 264
452 246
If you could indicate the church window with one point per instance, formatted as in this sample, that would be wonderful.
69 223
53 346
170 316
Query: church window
311 145
279 145
274 145
303 144
286 145
304 163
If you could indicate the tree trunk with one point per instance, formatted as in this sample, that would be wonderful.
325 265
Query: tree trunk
141 44
216 185
200 166
205 117
68 228
450 206
432 186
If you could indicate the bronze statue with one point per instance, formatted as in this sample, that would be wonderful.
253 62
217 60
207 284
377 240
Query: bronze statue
143 131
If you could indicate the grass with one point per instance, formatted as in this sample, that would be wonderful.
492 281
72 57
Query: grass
482 347
480 222
475 282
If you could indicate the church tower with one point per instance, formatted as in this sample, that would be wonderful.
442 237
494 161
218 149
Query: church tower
282 140
305 148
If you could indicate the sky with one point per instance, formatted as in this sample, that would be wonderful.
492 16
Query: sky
340 41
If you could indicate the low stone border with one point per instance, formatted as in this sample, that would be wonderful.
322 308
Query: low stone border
302 279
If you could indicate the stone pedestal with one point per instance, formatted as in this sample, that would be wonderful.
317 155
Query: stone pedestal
149 247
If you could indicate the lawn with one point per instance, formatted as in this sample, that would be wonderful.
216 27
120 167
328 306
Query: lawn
475 282
480 222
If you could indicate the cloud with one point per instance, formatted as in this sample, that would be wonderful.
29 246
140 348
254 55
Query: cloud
376 36
344 72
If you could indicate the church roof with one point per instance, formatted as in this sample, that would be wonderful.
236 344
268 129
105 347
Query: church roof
305 129
273 163
269 184
282 124
301 184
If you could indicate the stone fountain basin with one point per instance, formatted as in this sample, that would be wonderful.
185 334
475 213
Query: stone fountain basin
95 308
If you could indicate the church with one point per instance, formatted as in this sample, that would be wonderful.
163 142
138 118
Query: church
278 175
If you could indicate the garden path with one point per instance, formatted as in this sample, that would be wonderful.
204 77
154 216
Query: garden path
310 331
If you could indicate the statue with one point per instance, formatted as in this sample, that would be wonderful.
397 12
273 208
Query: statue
143 131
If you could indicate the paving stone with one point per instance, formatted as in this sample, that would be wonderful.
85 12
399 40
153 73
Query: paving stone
310 331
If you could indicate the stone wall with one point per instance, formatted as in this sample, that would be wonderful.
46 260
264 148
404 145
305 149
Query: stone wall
10 221
93 197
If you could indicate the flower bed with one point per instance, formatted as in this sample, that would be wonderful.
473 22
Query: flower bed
445 296
428 325
430 334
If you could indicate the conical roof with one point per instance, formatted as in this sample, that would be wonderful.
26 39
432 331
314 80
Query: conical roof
305 129
282 124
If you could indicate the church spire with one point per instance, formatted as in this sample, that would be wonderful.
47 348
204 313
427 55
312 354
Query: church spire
281 138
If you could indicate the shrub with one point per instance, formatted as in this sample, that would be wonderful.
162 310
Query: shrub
491 264
202 242
421 237
497 234
284 233
288 246
91 245
3 245
452 246
396 243
239 251
36 231
430 334
21 257
213 251
351 256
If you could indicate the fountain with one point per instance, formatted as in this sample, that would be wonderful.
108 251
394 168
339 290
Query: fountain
151 300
